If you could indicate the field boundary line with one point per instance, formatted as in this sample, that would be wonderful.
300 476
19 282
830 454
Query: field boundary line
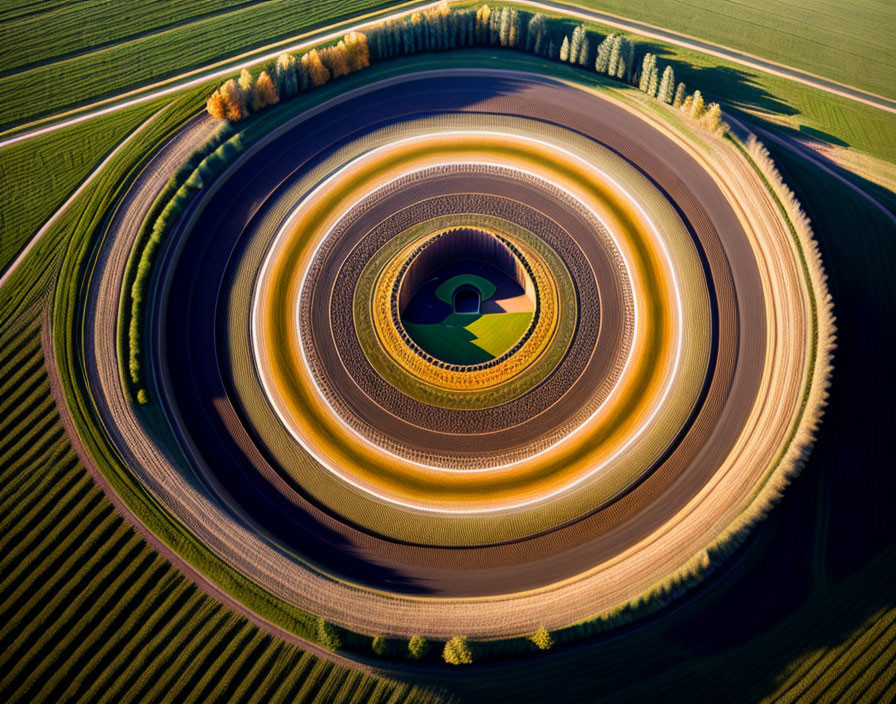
96 171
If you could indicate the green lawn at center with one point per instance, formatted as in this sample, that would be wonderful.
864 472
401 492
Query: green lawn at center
470 339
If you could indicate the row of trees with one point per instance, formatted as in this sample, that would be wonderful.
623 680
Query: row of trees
287 77
441 29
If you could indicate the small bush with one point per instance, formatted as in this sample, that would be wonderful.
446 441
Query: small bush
542 639
418 647
457 651
328 635
380 645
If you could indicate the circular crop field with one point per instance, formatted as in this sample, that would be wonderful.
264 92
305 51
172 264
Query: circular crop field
476 352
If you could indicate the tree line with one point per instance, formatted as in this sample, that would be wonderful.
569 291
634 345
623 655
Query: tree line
441 29
237 98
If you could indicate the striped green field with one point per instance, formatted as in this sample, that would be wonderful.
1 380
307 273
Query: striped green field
796 109
151 49
849 42
37 176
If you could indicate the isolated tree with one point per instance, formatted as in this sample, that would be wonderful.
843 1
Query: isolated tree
667 85
318 74
264 92
542 639
418 647
679 95
687 104
712 119
698 106
551 53
647 62
604 49
483 15
457 651
536 32
564 49
328 635
576 44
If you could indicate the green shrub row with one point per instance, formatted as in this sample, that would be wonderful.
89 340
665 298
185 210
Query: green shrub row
201 169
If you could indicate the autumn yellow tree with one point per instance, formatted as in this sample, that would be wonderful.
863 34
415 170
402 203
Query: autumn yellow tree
287 77
246 81
712 119
217 105
318 74
358 51
335 58
698 106
264 92
236 100
482 21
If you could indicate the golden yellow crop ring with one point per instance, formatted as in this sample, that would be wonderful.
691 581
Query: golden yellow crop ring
641 400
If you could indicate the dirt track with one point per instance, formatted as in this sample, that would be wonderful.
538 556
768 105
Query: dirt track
716 497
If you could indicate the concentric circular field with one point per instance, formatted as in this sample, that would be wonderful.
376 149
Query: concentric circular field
474 352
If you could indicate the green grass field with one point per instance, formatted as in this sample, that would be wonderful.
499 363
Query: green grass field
89 612
470 339
848 42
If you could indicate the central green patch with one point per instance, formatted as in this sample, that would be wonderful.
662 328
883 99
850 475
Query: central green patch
470 339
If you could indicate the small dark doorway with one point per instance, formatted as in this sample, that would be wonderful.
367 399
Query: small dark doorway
467 300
